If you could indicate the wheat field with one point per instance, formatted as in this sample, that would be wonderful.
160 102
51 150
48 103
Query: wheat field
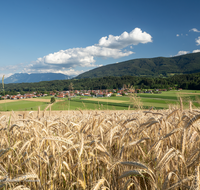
116 150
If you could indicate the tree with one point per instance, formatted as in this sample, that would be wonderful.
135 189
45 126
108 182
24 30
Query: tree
124 86
92 93
52 100
71 86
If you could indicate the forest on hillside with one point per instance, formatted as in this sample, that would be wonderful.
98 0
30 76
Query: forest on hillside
148 67
187 81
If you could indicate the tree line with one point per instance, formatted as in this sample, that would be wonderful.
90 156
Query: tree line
186 81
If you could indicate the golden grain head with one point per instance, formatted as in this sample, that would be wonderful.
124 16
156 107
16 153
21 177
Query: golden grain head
100 150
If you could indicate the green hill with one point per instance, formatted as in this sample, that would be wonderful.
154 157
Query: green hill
184 64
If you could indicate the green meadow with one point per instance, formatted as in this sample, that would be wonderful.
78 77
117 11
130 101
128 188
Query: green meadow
158 101
22 106
83 104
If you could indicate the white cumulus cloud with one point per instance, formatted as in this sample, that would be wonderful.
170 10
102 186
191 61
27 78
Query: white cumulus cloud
177 35
83 57
194 30
196 51
69 72
182 53
198 41
135 37
108 47
42 68
75 60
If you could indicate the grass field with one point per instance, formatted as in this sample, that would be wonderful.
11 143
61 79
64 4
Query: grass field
22 105
76 104
159 101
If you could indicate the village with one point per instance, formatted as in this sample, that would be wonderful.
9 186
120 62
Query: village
90 93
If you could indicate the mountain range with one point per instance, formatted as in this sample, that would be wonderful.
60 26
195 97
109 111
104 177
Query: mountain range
35 77
159 66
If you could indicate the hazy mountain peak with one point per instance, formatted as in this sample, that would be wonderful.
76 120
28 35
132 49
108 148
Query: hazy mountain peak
35 77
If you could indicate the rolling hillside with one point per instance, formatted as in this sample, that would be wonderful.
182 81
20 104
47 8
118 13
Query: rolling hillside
184 64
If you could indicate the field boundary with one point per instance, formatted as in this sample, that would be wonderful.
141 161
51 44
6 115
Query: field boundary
29 99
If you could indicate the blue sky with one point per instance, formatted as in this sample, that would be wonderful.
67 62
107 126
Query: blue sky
71 37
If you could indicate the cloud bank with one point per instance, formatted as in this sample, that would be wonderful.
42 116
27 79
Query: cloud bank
181 53
198 41
186 52
196 51
82 56
66 61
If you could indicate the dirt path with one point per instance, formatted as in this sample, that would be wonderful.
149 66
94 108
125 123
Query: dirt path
7 101
29 99
40 100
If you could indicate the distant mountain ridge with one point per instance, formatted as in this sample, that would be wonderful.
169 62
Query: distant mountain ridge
35 77
184 64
